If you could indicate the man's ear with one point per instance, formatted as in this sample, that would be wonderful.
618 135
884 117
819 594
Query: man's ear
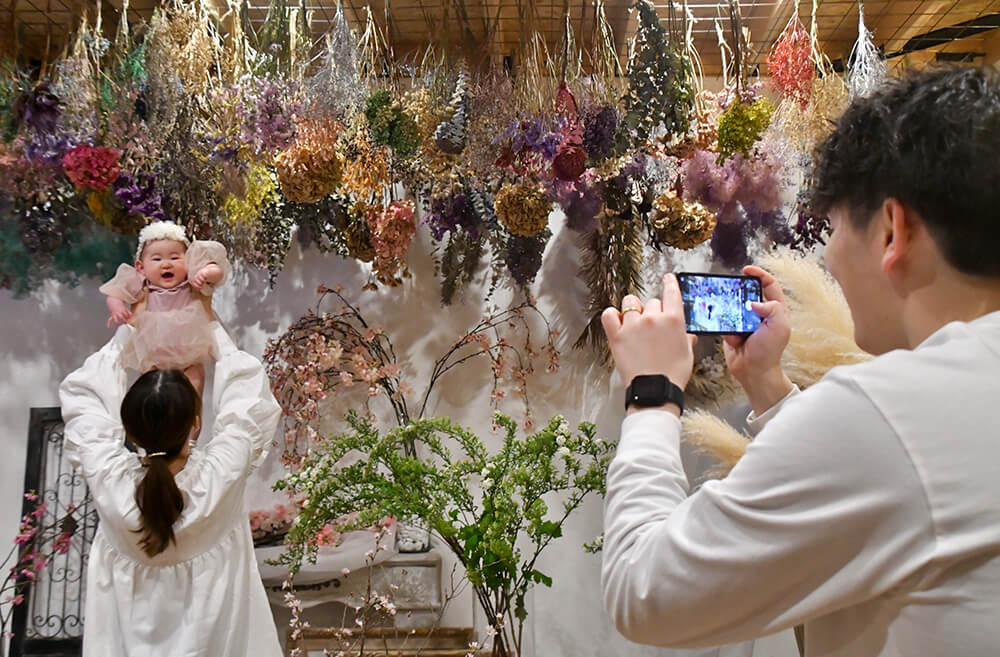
895 224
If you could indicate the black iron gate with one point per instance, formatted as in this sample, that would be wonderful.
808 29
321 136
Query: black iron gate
49 622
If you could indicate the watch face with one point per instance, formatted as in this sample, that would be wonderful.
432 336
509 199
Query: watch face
651 388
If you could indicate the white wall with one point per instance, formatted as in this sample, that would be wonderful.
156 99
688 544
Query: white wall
43 337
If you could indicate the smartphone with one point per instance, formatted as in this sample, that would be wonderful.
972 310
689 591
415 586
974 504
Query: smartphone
719 304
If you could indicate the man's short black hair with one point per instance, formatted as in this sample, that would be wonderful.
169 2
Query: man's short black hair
931 140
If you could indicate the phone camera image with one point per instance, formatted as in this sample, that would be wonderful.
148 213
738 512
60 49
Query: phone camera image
717 304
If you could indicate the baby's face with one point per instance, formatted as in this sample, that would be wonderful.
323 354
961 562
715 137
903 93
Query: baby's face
163 264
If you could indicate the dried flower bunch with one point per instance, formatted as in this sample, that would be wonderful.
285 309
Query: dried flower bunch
325 352
523 209
790 61
680 224
310 168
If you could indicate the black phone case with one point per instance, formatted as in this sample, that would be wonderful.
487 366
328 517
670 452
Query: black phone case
687 319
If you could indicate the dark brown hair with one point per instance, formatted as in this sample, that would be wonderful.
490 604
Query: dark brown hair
158 413
931 140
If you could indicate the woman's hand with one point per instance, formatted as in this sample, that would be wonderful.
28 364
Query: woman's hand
651 339
119 312
755 361
209 274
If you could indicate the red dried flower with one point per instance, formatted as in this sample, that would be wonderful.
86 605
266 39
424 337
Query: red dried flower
93 167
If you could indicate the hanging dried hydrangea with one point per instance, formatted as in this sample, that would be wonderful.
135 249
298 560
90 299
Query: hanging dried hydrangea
867 70
790 61
261 190
365 167
311 168
523 209
392 231
741 126
680 224
92 167
452 133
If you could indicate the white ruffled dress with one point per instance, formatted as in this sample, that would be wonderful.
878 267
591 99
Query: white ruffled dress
203 596
174 330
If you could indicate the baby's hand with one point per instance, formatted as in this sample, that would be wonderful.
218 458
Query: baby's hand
198 280
209 274
119 311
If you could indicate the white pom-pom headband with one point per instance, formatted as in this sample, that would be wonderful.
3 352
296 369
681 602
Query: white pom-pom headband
161 230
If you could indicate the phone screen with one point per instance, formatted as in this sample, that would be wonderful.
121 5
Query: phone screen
716 304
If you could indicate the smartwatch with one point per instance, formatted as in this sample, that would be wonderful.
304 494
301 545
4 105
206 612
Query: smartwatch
650 390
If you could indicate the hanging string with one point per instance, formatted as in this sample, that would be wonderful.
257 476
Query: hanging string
867 69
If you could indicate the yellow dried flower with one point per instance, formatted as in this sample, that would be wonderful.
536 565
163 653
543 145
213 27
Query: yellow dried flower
523 209
261 189
679 223
805 127
366 173
181 45
311 168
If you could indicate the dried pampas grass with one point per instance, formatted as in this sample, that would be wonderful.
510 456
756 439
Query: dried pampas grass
822 338
822 329
710 435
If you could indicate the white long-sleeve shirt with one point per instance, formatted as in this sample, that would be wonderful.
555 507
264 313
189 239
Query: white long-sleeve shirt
867 507
202 596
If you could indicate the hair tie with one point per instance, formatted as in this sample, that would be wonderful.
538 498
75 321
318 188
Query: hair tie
145 460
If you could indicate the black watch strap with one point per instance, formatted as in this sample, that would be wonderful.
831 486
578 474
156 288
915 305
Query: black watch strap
651 390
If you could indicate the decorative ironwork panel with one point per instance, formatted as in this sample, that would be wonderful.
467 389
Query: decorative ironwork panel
50 621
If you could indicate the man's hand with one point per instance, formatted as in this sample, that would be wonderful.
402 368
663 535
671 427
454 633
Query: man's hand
209 274
119 312
755 361
651 339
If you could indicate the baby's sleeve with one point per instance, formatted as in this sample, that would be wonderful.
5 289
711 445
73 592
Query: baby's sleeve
207 252
127 284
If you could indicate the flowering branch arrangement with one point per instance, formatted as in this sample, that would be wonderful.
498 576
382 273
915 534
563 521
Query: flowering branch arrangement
497 536
41 538
324 352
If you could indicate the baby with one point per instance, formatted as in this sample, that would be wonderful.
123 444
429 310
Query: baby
171 311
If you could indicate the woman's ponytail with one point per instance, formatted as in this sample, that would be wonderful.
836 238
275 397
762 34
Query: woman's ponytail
158 412
160 504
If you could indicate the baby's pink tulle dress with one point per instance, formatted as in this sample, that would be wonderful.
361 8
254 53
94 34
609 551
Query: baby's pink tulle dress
174 331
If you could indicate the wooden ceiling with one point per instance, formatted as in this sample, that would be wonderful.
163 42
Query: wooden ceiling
36 29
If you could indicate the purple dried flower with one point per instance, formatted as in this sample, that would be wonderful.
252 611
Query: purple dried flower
581 201
600 125
39 109
531 135
268 111
452 214
729 244
48 148
138 195
772 223
636 167
524 258
809 230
